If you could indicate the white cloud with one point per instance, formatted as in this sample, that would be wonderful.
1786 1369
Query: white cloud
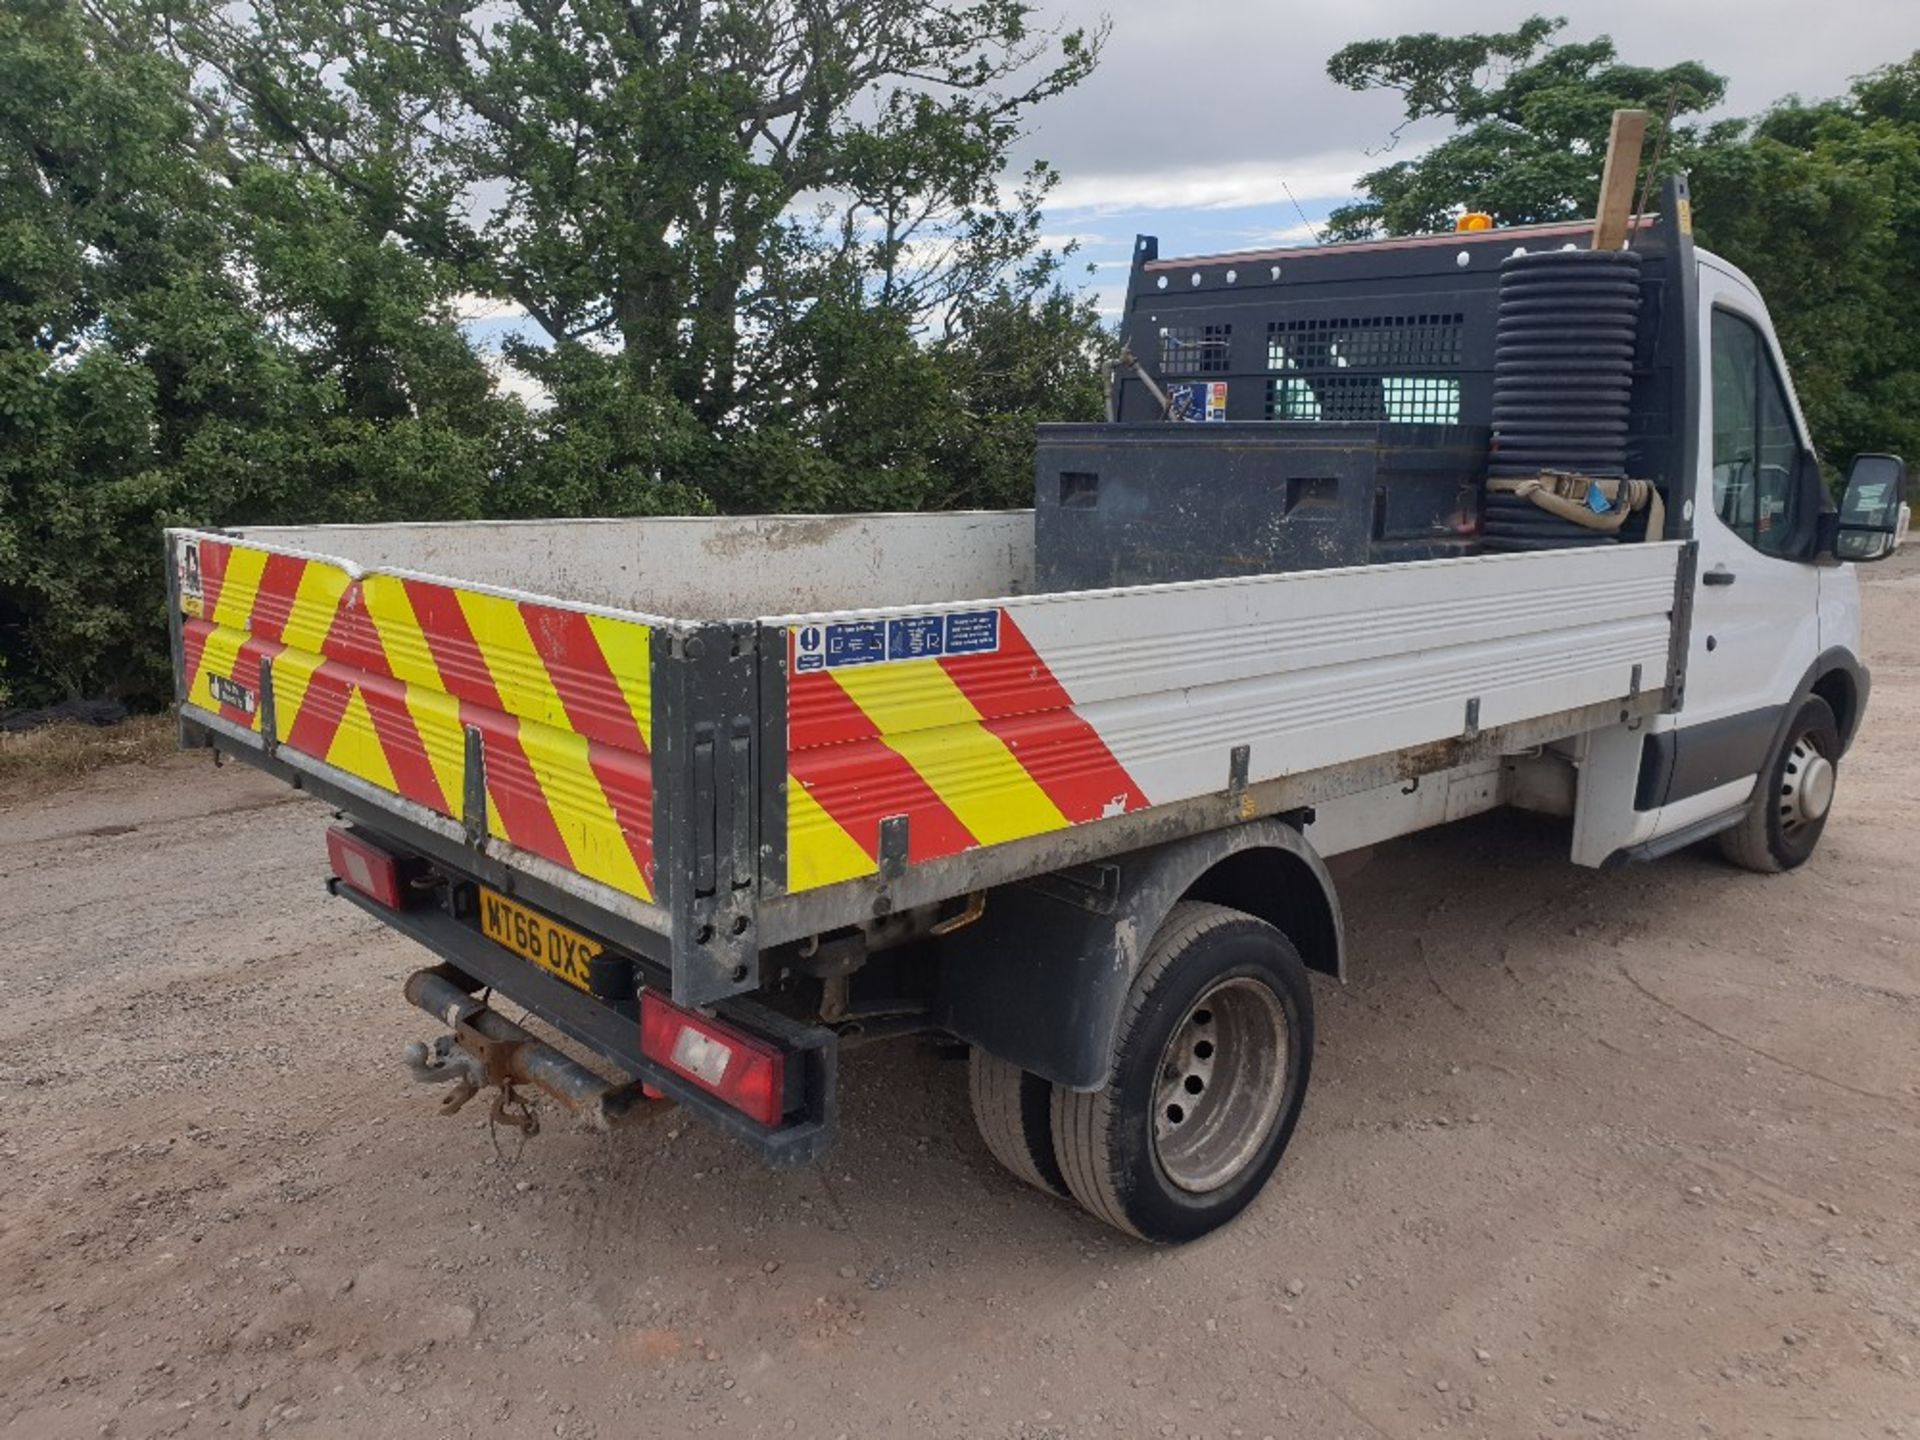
1304 233
1061 240
471 307
509 381
1213 105
1213 187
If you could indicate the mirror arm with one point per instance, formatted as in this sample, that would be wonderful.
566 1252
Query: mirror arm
1826 535
1815 496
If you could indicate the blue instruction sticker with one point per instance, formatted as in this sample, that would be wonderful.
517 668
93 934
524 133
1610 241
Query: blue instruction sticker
809 647
916 638
973 633
856 642
832 646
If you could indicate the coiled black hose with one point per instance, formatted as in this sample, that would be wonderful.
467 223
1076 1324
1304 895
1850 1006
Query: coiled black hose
1562 382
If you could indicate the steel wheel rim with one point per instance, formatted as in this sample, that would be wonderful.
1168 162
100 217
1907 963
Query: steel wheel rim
1806 786
1221 1083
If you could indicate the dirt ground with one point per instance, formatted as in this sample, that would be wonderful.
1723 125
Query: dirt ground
1634 1153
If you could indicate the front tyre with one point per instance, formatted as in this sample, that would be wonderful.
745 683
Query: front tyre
1792 797
1209 1074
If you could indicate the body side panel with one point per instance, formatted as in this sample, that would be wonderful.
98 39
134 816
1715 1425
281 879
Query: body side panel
1100 703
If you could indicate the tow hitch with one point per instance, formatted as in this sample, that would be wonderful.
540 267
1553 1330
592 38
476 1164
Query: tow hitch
444 1062
487 1049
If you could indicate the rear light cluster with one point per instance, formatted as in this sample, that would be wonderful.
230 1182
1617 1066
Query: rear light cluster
373 871
746 1072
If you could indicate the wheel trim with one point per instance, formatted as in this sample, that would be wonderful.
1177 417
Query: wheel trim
1806 785
1222 1083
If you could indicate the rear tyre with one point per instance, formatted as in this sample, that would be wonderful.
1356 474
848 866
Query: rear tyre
1013 1110
1792 797
1209 1073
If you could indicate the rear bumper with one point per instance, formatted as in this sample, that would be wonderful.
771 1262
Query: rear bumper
808 1129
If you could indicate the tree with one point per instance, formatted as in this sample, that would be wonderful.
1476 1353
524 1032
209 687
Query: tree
1819 203
724 192
187 337
121 336
235 243
1026 352
1530 122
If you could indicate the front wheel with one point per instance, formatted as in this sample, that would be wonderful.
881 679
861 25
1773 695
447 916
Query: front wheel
1208 1078
1791 797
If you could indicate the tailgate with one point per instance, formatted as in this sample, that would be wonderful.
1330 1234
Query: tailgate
523 719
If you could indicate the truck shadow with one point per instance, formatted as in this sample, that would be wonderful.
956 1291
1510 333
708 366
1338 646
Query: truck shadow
1464 944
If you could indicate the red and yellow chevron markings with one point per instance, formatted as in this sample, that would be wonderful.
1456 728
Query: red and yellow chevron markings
380 676
972 749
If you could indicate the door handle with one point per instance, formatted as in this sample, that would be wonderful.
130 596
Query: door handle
1719 575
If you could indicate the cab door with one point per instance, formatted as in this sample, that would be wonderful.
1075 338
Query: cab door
1756 622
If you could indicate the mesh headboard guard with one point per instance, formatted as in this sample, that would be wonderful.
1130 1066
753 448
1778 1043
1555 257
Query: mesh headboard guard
1397 332
1321 341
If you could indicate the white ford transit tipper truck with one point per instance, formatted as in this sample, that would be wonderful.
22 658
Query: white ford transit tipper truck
1377 536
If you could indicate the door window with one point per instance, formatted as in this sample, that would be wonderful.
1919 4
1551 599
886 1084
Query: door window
1756 451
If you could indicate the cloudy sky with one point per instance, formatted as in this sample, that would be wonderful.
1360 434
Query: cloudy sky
1201 112
1204 113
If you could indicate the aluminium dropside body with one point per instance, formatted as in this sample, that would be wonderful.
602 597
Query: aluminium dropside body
701 792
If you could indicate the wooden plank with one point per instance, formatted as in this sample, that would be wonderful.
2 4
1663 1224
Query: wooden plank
1624 142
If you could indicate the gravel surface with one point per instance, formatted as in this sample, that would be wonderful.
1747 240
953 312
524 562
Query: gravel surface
1587 1154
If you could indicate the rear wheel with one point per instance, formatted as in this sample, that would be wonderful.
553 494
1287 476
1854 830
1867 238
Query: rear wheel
1209 1074
1792 796
1013 1110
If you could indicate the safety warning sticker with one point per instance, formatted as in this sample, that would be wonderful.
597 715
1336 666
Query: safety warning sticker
187 566
1200 402
914 637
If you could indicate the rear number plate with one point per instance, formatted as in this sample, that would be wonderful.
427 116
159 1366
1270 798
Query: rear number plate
532 936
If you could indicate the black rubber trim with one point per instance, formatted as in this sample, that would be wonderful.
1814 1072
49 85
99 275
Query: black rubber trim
1678 764
1679 839
1656 771
1844 661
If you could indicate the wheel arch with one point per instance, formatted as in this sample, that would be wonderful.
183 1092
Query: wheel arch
1040 981
1838 678
1288 889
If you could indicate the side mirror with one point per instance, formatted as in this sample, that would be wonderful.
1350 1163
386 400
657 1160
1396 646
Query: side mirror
1873 513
